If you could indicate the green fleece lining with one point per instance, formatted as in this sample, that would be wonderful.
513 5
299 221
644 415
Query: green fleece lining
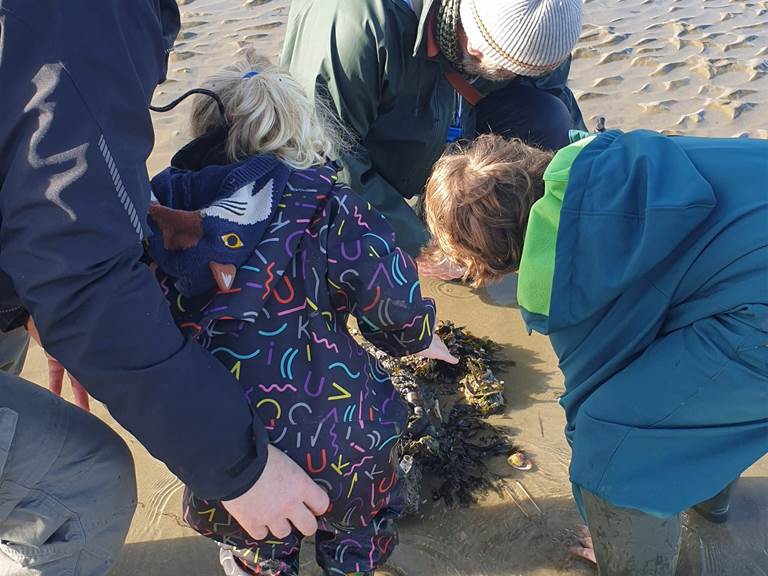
537 264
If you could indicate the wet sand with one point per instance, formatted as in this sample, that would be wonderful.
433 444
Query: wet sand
697 67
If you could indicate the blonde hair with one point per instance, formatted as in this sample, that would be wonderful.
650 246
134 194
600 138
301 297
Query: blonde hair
477 203
269 112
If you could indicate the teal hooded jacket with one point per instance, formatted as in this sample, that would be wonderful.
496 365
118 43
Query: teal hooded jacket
646 263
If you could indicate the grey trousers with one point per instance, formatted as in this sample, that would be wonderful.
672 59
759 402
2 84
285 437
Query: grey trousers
13 350
67 486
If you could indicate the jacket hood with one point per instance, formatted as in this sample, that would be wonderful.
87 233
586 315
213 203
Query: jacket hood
425 21
207 219
633 201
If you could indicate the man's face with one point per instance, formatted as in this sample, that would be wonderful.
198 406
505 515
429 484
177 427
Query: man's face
475 64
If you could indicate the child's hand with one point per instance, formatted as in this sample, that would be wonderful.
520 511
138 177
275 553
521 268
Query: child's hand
443 270
438 351
56 373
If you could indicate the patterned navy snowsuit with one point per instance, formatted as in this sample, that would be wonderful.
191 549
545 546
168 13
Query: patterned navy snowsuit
281 328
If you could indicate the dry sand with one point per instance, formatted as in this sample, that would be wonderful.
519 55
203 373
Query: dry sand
697 67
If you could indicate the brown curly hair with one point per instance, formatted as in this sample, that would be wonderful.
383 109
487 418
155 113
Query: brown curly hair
477 203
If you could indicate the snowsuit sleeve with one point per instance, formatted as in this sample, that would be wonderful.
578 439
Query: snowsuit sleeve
375 279
74 195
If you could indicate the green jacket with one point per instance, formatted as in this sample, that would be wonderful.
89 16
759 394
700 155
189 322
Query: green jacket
370 57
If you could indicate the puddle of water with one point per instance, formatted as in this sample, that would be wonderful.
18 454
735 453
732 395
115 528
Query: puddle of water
503 293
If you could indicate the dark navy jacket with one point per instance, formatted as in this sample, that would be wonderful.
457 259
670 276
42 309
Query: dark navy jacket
76 78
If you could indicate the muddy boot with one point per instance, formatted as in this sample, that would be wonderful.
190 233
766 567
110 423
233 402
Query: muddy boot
630 543
717 509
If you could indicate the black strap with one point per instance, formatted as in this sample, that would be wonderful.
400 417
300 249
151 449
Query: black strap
187 94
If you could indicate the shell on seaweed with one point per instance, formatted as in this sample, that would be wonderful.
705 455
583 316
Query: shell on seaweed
520 461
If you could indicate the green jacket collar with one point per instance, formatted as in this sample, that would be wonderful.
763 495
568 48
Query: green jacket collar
537 264
420 48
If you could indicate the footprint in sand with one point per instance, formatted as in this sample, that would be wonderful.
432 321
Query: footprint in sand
193 24
657 25
692 119
710 37
248 40
737 93
268 26
611 40
608 81
616 56
755 68
681 43
585 52
758 25
644 41
644 89
704 69
665 69
658 106
706 90
675 84
740 42
644 61
594 33
668 132
181 55
730 108
649 50
588 95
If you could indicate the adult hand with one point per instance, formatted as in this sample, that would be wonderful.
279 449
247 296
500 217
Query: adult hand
284 495
438 351
56 374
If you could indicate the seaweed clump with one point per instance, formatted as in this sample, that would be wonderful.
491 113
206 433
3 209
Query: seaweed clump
448 440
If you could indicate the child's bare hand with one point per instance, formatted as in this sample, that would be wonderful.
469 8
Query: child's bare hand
56 373
438 351
56 382
283 498
444 270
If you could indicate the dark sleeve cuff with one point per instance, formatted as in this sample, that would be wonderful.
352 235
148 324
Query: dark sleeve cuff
244 473
12 318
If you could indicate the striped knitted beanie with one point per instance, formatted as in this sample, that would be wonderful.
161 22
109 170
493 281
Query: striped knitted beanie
527 37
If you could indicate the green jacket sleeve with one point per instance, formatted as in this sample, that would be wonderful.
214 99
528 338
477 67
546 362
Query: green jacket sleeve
349 69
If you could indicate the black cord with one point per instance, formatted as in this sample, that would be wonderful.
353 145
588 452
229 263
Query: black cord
204 92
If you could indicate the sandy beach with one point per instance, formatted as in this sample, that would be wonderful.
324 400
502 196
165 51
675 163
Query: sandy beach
694 67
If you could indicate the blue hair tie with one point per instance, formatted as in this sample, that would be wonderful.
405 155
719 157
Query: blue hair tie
249 75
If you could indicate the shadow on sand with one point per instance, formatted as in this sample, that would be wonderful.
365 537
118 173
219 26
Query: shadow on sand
496 539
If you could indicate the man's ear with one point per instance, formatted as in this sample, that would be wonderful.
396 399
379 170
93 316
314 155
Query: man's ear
181 230
224 274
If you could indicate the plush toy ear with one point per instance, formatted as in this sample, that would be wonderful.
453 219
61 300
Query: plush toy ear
181 229
224 274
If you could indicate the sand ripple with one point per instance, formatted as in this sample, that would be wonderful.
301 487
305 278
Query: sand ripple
685 66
